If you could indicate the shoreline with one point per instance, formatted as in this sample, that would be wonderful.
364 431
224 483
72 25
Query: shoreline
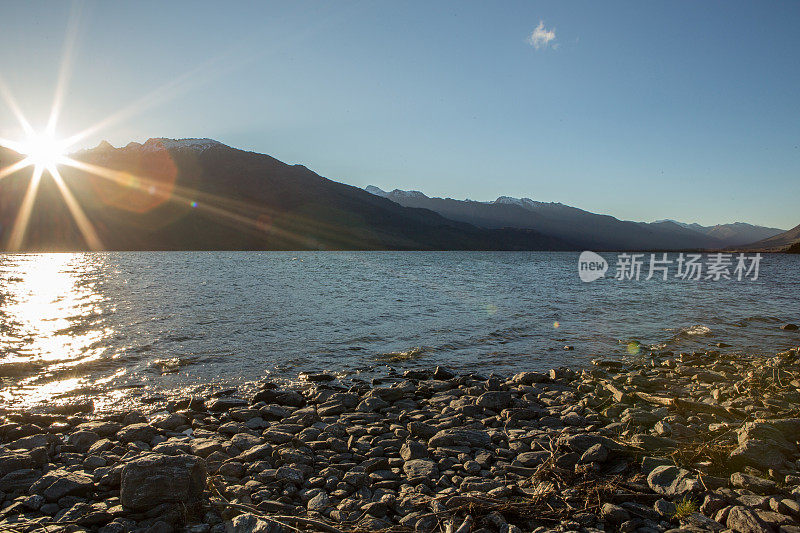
704 441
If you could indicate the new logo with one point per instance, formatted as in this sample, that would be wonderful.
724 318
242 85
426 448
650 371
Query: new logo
591 266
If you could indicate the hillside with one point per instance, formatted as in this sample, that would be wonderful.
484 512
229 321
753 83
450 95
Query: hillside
198 194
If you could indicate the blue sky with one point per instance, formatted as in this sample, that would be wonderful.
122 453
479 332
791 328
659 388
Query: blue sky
647 110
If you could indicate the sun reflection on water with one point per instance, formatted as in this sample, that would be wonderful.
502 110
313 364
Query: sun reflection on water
50 324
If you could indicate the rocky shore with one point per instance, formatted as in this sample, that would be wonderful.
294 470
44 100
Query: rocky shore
665 442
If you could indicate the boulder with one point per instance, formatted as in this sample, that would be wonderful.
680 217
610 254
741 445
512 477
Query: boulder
247 523
319 503
596 454
22 459
756 453
494 400
19 480
672 481
460 437
753 483
744 520
83 440
137 433
218 405
280 397
56 484
155 479
413 450
614 514
419 470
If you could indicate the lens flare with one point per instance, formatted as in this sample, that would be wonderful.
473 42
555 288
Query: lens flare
634 348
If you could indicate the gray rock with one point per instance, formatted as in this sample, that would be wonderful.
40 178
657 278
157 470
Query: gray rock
532 459
172 422
756 453
56 484
753 483
292 475
245 441
530 378
768 432
274 436
649 463
494 400
712 504
319 503
286 398
700 522
20 459
614 514
86 514
256 453
419 470
672 481
154 479
787 506
83 440
30 442
442 374
100 446
224 403
371 404
472 467
744 520
773 519
413 450
232 469
247 523
137 433
421 430
19 480
104 428
665 508
596 454
460 437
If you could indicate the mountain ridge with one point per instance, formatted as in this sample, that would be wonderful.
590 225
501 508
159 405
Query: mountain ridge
197 194
600 228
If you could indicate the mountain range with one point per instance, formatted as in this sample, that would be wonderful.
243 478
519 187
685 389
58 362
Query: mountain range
788 241
734 234
582 228
199 194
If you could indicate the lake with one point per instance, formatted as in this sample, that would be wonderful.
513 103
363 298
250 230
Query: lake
120 327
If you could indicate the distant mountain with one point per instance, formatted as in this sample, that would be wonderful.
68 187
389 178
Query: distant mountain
735 234
786 241
199 194
584 229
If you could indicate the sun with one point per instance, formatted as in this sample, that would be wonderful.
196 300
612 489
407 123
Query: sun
43 150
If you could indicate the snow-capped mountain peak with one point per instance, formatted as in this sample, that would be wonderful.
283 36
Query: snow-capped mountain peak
522 202
162 143
397 193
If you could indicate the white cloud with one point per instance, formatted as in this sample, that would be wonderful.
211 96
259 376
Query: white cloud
542 37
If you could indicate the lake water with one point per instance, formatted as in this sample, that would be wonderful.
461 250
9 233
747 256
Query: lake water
120 327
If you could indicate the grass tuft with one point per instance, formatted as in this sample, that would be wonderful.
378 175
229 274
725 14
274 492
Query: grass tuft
684 508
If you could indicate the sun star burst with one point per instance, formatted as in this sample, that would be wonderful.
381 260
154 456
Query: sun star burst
44 150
